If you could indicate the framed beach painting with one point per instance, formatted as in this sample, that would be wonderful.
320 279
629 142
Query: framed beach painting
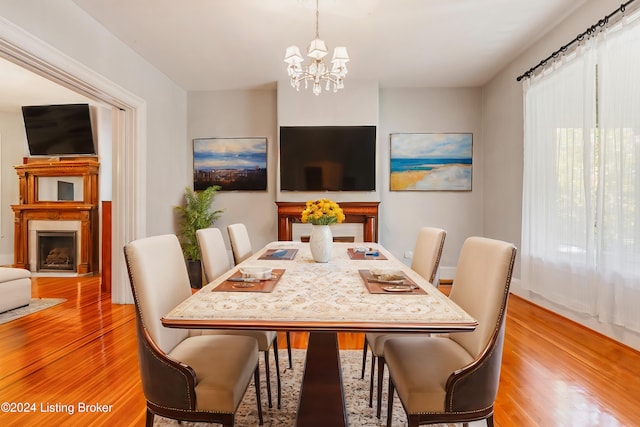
232 163
431 161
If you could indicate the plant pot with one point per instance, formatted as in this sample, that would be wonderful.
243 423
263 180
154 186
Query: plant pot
194 268
321 243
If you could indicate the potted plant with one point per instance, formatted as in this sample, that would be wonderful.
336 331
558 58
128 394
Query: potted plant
194 215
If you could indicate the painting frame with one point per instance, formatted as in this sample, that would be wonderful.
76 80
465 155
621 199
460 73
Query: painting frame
431 161
235 164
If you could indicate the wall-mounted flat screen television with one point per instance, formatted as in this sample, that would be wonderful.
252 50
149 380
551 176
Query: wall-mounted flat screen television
327 158
59 130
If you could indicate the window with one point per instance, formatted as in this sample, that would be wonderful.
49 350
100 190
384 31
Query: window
581 194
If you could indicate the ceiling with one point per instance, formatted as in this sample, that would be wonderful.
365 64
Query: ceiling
240 44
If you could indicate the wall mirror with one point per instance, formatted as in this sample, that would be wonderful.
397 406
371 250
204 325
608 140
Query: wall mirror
60 189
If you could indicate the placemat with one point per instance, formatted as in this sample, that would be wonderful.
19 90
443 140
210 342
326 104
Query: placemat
285 254
362 255
261 286
389 288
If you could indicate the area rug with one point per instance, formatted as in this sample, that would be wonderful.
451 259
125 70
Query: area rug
356 392
36 304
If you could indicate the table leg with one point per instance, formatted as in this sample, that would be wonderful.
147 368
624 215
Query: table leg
322 394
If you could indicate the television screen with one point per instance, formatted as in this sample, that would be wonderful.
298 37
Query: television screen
58 130
327 158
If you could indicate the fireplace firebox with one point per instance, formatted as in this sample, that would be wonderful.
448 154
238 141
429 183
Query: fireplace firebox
56 251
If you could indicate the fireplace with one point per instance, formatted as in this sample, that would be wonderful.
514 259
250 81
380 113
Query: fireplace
364 213
56 251
46 207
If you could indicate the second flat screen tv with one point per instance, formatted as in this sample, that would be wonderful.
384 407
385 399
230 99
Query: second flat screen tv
59 130
327 158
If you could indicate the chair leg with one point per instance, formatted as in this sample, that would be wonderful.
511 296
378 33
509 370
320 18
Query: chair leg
150 416
268 375
373 368
390 403
490 421
277 360
256 381
228 420
364 356
380 377
289 350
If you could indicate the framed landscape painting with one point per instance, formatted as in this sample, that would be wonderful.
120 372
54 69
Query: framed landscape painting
232 163
431 161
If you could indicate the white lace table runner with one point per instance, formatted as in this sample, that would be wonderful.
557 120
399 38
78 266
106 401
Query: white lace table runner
311 292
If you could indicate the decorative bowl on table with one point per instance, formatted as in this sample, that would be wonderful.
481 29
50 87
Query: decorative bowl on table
387 275
262 273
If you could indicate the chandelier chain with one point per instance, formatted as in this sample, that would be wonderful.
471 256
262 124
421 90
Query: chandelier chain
317 20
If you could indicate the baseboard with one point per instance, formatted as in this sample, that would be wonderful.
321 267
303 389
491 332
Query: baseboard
447 274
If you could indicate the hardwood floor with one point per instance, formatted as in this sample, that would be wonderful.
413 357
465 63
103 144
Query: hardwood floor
555 372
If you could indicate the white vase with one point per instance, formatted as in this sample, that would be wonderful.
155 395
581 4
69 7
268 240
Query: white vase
321 243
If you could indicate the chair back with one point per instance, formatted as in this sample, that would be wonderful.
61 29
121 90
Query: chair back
481 288
159 281
215 260
427 252
240 242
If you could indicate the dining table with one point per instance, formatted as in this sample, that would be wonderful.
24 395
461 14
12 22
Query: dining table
362 288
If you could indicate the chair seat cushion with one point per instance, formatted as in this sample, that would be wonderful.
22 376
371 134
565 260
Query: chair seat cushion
264 338
377 339
224 365
420 367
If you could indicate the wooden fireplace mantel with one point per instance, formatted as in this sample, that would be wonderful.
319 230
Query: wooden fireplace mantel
365 213
31 208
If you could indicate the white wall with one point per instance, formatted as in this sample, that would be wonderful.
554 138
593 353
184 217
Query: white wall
434 110
503 149
233 114
11 130
355 105
254 113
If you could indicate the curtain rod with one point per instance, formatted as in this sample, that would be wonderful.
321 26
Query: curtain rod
592 29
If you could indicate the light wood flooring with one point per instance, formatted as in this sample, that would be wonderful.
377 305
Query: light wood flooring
555 372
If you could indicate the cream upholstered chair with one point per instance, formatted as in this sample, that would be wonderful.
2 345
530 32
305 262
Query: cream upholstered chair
242 249
184 376
427 253
240 242
426 259
215 262
453 378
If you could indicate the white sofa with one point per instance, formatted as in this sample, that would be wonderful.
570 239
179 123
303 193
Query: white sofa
15 288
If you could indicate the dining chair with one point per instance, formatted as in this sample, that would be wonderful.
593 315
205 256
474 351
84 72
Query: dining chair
242 249
215 262
240 242
453 378
185 376
426 259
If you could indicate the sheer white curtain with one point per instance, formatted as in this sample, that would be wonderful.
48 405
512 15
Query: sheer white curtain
618 219
581 193
557 231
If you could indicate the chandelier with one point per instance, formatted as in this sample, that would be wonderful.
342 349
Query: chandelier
316 71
